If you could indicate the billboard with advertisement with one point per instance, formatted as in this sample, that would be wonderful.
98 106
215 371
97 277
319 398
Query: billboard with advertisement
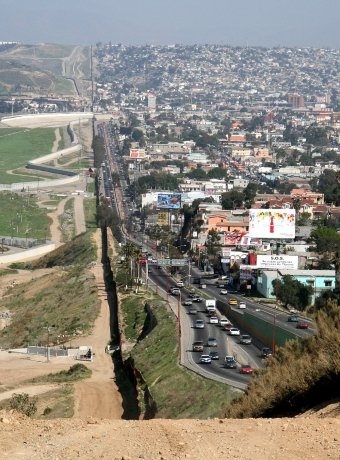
169 201
137 153
272 223
277 262
232 238
163 218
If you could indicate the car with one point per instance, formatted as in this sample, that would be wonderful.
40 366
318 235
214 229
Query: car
302 325
234 331
265 352
205 359
192 295
187 303
212 342
175 291
232 302
213 320
293 318
245 339
229 362
180 284
246 369
223 292
192 311
197 346
228 326
197 299
220 284
224 321
242 305
199 324
214 355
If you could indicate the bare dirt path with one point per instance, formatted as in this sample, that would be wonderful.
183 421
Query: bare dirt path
56 234
98 396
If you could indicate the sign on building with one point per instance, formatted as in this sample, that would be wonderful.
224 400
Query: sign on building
277 262
169 201
137 153
162 218
272 223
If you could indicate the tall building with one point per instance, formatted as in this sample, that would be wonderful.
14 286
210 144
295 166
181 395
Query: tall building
151 102
296 100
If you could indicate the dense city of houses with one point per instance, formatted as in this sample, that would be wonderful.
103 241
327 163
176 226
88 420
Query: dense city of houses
223 120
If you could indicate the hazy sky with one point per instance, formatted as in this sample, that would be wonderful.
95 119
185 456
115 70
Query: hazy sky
300 23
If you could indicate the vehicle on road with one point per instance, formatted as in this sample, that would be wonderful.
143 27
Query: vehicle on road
265 352
223 292
214 355
197 299
180 284
229 362
302 325
234 331
293 318
199 324
224 321
187 303
212 342
210 305
205 359
227 327
242 305
213 320
192 311
246 369
220 284
245 339
175 291
232 302
197 346
192 295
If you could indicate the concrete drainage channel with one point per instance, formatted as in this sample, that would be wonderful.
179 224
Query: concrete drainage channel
125 376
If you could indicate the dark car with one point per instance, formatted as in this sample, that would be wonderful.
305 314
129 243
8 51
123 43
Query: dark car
230 362
265 352
302 325
214 355
293 319
197 346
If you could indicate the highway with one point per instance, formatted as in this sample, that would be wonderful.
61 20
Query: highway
161 281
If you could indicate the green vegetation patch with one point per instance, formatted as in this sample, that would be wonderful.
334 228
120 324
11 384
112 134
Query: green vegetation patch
90 214
178 393
66 302
7 271
73 374
21 217
134 316
80 251
21 146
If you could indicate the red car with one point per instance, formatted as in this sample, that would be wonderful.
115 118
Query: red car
302 325
246 369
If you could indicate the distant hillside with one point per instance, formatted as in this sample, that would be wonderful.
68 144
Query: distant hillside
42 68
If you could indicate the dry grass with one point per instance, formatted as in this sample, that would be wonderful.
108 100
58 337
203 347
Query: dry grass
302 374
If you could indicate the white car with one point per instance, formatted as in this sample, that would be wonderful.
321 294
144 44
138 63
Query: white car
223 292
242 305
199 324
213 320
187 303
205 359
180 284
234 331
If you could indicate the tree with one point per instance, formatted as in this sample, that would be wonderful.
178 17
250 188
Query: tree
291 292
329 184
217 173
327 242
21 402
197 174
232 200
250 193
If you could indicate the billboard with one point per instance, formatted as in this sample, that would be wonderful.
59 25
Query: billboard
277 262
272 223
169 201
137 153
163 218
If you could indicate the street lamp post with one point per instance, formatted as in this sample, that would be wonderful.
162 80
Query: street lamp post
179 302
